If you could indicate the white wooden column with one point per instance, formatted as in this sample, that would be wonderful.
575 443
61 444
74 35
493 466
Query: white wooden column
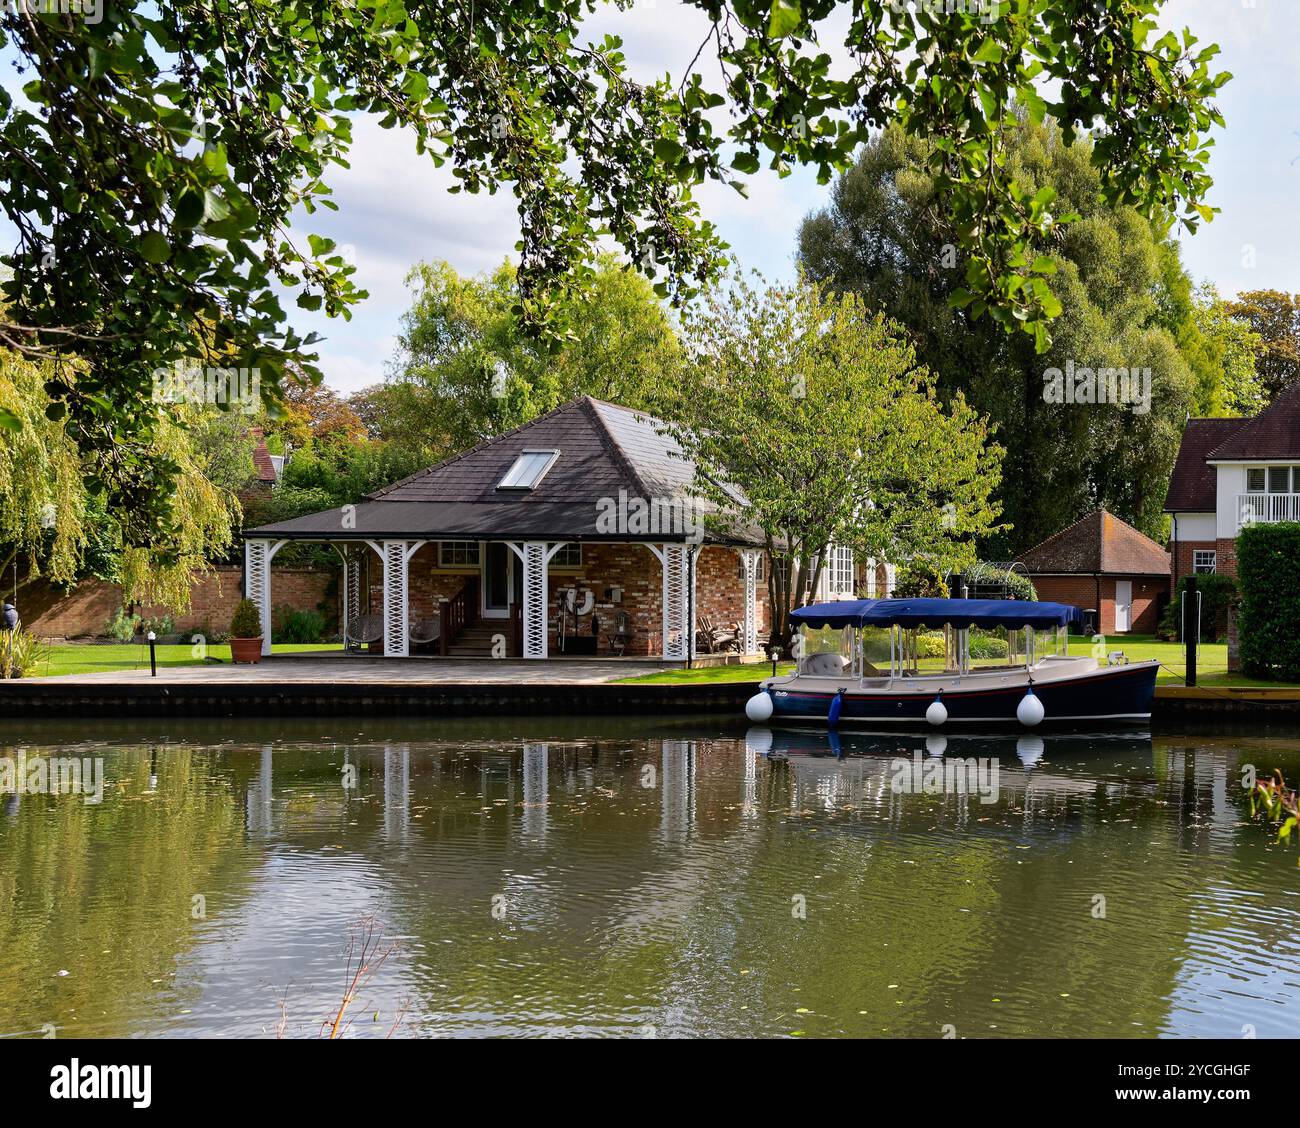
535 559
258 555
749 558
396 557
678 599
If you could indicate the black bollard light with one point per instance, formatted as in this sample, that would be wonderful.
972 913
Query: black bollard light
153 657
1191 626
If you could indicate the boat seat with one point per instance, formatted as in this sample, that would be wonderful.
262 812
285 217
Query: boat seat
826 665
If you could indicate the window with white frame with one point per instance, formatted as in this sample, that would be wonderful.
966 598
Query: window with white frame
458 554
567 556
528 470
1205 561
760 572
837 574
1273 479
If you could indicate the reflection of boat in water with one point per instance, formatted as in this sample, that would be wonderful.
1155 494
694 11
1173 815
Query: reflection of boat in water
1029 749
1032 679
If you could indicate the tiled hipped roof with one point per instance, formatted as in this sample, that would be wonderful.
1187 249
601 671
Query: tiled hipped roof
607 454
1191 485
1273 433
1100 543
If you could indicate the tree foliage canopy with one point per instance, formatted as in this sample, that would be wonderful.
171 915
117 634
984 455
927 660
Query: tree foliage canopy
1127 303
819 413
153 161
466 370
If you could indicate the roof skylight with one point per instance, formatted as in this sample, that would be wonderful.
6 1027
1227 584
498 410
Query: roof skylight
528 469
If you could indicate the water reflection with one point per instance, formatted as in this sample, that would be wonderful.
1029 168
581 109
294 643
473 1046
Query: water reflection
535 880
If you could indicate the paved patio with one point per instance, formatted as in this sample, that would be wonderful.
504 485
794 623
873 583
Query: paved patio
310 670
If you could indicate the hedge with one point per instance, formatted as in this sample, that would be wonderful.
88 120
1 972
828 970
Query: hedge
1268 571
1218 593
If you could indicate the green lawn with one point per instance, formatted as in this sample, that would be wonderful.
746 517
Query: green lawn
74 658
1211 664
709 674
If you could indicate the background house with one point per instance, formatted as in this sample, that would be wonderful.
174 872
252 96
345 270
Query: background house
1103 563
1229 473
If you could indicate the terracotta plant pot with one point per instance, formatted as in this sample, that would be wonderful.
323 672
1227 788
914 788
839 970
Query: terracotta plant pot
248 650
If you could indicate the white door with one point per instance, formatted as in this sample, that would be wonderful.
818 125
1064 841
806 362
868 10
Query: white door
1123 605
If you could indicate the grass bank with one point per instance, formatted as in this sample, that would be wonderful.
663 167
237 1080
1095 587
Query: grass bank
1211 664
90 658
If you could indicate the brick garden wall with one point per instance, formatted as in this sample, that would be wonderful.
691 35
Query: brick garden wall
85 611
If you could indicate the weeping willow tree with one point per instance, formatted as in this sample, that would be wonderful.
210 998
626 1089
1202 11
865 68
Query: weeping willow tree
53 519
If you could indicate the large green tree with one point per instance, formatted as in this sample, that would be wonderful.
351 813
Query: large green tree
819 413
1274 318
154 158
467 371
54 522
888 236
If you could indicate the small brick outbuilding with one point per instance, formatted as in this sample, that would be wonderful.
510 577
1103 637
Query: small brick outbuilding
1105 564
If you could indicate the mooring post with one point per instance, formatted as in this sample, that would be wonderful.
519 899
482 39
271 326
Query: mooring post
1191 625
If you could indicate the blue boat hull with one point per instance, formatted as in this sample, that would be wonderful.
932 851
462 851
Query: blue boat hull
1115 693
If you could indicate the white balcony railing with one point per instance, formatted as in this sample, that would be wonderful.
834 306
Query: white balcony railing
1267 508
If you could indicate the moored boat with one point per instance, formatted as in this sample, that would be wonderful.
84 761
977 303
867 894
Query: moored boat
1002 662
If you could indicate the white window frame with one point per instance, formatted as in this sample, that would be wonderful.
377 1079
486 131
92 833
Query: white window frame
559 561
1199 561
516 467
476 562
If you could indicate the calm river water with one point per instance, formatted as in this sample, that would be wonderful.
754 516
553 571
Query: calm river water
642 878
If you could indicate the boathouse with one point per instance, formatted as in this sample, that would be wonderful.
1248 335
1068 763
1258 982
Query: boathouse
576 534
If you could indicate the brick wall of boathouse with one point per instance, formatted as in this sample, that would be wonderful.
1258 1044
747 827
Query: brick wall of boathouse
85 611
631 568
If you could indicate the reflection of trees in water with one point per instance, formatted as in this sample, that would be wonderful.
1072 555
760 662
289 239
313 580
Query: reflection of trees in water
99 898
647 901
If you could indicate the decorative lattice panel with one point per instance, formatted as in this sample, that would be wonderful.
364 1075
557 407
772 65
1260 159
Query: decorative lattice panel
257 583
353 560
749 558
395 599
677 639
534 559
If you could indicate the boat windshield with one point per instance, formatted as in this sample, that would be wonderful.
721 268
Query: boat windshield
917 652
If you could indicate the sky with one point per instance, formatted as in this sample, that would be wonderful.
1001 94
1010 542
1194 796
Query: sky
395 208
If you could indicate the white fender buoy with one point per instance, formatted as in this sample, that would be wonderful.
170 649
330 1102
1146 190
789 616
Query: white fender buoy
1029 749
1030 711
937 713
936 745
759 708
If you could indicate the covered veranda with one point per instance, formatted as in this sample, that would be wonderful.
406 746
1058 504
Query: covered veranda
402 622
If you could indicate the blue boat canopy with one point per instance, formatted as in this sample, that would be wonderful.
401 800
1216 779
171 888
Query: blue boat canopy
937 613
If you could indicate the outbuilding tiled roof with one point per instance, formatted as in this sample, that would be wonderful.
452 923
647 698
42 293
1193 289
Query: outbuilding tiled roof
1100 543
1192 483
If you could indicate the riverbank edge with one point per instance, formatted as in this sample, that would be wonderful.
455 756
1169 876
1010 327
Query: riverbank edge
43 698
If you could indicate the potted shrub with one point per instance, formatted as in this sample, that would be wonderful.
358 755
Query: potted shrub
246 633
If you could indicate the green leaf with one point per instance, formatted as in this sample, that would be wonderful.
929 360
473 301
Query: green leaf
155 248
9 421
785 18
